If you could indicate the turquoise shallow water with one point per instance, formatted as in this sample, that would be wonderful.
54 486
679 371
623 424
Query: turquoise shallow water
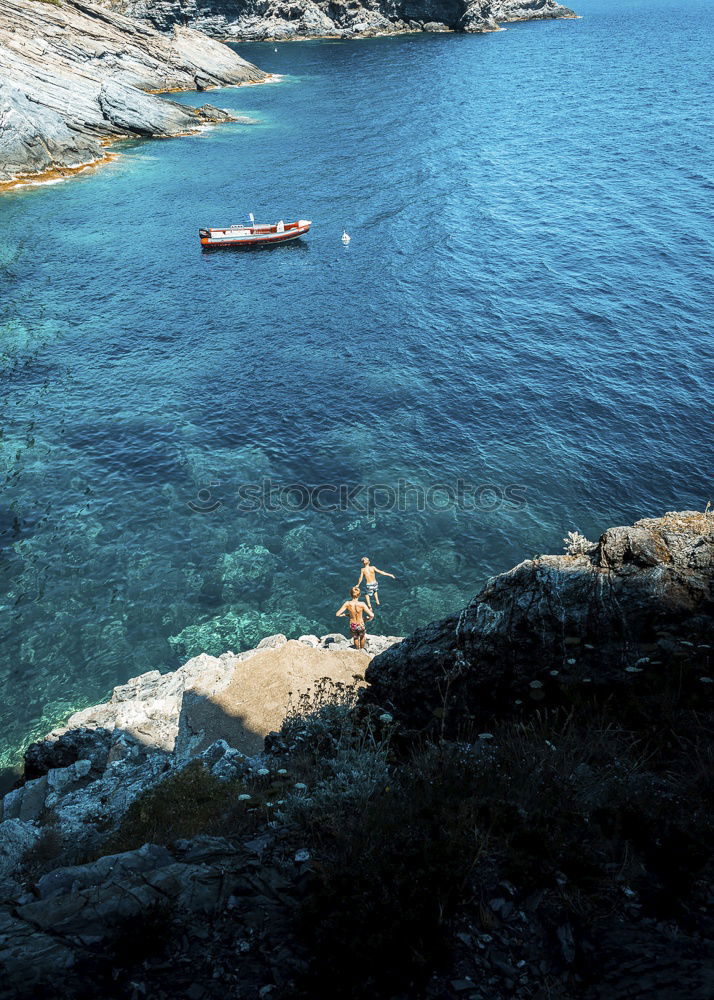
525 303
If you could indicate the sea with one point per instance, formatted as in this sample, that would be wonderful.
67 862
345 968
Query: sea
197 448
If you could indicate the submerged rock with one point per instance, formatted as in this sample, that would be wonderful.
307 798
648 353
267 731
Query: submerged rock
233 630
74 74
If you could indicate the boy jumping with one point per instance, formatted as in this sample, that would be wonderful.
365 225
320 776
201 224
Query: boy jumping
368 575
355 608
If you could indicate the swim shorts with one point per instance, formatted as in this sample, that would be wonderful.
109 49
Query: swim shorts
358 631
372 588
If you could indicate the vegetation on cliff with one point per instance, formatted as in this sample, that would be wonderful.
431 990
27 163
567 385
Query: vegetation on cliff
553 846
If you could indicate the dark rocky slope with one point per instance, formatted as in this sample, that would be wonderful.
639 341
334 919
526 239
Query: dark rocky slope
74 75
613 620
275 19
531 818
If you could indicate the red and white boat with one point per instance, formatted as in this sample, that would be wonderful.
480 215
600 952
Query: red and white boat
253 235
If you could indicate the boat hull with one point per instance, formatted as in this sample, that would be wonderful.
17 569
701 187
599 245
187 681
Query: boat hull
250 237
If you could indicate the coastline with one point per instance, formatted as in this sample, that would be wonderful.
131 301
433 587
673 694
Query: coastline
187 793
214 77
360 35
75 78
148 706
57 175
509 800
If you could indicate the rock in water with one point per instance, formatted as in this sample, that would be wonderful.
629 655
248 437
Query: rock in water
262 19
557 628
75 74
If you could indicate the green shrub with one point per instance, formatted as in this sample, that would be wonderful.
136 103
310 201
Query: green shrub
390 867
187 803
572 808
318 723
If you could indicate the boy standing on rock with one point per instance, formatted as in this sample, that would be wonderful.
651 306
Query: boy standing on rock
356 608
368 574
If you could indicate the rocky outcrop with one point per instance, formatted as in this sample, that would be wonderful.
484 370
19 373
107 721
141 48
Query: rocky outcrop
51 940
585 865
274 19
81 780
217 709
74 75
630 613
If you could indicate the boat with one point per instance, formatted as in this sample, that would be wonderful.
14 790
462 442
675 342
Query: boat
254 235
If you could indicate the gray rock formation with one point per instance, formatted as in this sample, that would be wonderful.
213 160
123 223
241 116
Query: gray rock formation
76 912
630 615
275 19
73 76
84 776
619 618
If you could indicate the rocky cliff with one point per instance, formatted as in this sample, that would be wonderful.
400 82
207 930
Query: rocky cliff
515 804
73 75
614 618
275 19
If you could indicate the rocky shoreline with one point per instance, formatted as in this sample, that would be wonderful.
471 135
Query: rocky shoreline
212 708
77 75
74 76
256 20
566 709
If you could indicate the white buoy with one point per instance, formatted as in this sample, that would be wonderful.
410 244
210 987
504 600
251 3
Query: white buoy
345 237
276 50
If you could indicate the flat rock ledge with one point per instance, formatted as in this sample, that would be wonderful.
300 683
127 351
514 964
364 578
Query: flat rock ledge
217 709
259 20
74 76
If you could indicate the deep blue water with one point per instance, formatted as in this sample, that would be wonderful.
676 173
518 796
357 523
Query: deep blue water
525 303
